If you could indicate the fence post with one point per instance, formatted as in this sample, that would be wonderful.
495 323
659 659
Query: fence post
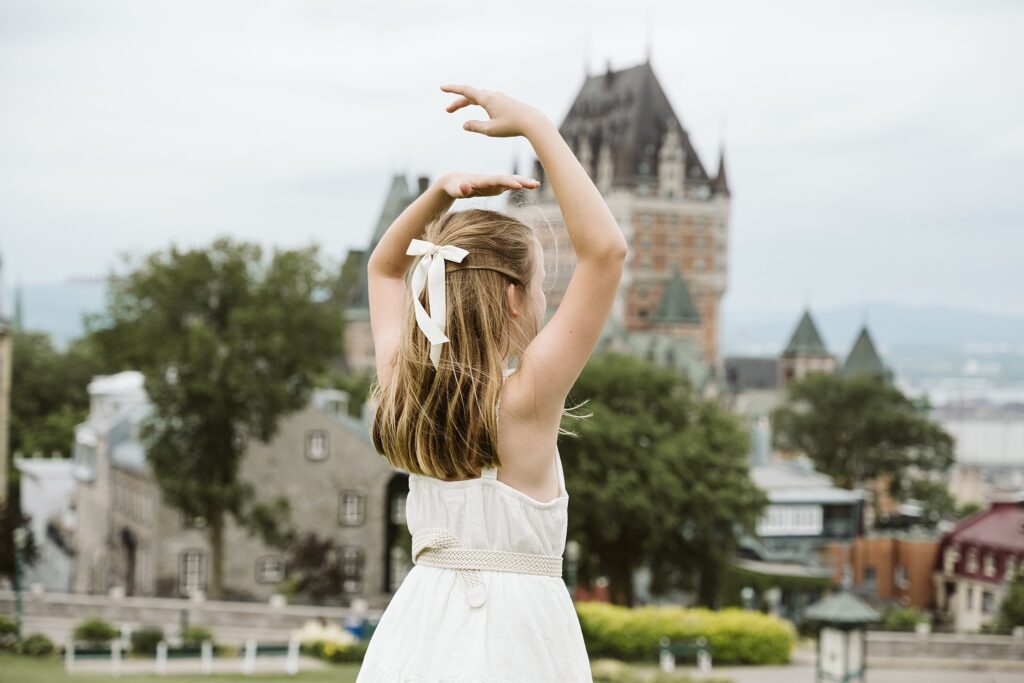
667 660
207 657
249 659
161 658
115 658
291 664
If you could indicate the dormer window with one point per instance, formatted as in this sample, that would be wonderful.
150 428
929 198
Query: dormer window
972 561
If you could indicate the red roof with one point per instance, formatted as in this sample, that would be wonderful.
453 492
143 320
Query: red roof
1001 526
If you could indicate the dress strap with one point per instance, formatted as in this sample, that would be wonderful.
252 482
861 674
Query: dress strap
489 473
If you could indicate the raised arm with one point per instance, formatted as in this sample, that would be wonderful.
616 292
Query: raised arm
556 357
387 265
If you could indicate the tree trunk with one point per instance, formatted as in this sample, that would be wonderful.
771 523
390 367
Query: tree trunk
216 583
620 587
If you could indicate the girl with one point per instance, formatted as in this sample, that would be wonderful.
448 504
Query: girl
487 505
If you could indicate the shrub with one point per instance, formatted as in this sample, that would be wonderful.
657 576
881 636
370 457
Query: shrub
145 640
8 634
351 653
735 636
95 631
37 645
195 635
902 619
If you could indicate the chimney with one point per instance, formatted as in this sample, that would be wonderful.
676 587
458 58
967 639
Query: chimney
424 183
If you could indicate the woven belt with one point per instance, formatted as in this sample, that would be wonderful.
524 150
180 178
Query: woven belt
438 547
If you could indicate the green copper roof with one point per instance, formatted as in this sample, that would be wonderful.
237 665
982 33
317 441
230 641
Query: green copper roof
842 608
805 340
676 306
864 358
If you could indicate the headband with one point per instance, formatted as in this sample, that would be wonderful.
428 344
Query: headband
429 272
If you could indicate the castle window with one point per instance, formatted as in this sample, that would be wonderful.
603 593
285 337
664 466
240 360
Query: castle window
352 563
269 569
317 445
191 572
351 508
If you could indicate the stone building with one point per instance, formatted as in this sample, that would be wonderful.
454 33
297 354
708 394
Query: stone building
320 461
673 212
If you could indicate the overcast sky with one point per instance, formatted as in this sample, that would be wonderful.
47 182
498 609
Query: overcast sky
875 150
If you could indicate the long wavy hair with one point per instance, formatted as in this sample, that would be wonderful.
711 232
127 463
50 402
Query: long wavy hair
442 422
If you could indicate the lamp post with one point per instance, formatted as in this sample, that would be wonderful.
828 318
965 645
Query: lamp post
572 554
842 620
20 536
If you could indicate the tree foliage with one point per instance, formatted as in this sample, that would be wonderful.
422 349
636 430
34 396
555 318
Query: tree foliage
859 429
229 341
657 477
48 393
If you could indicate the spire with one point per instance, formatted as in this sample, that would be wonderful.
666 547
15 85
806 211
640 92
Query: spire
864 358
720 185
676 305
18 321
805 340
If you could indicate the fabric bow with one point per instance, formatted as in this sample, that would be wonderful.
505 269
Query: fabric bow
429 271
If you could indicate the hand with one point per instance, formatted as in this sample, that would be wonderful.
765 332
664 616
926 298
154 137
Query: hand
465 185
508 117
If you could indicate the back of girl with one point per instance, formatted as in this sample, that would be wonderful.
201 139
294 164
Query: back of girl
455 297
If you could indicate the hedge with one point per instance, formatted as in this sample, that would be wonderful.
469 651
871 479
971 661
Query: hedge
735 636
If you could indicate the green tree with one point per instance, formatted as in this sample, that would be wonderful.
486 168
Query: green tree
48 392
658 478
229 341
860 429
1011 612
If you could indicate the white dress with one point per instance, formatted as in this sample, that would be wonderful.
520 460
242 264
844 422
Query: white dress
526 631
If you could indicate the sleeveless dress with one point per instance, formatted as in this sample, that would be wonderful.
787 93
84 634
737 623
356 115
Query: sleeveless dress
526 631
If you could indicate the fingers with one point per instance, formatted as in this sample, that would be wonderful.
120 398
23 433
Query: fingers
477 126
465 90
458 104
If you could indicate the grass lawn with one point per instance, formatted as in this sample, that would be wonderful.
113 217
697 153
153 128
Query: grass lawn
14 669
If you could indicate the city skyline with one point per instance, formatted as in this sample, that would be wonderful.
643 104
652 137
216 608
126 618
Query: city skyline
869 160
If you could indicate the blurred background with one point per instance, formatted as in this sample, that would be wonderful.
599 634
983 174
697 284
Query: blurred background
818 327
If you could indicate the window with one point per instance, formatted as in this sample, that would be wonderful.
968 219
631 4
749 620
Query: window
398 510
988 602
900 577
352 561
702 223
645 241
701 243
317 445
699 265
869 574
191 572
643 292
1010 568
351 508
972 561
970 596
990 564
269 569
950 559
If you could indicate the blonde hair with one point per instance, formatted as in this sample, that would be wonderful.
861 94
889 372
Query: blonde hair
443 422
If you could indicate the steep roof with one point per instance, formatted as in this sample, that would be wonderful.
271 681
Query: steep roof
676 305
864 358
1002 525
721 183
629 110
805 340
398 198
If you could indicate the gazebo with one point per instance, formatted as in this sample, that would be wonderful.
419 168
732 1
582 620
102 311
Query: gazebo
842 637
